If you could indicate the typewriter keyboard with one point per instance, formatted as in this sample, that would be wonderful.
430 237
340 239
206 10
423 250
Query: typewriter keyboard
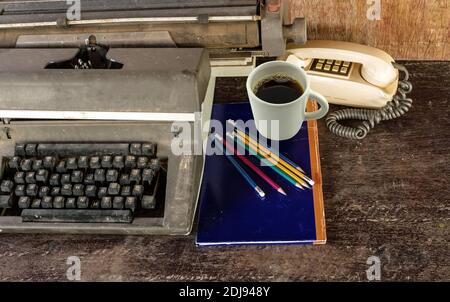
80 182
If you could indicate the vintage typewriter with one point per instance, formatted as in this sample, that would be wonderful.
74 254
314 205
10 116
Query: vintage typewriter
91 107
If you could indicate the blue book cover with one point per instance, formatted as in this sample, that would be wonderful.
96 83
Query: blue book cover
231 212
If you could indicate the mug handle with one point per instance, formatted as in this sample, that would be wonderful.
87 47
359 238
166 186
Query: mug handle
323 106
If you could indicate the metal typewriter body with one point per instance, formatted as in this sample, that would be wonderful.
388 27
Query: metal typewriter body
168 57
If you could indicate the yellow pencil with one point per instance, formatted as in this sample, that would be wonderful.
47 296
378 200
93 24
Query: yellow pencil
273 162
267 153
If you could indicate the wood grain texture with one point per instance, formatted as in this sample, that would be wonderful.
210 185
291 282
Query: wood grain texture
386 195
409 29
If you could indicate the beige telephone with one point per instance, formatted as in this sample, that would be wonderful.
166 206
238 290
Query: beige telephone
353 75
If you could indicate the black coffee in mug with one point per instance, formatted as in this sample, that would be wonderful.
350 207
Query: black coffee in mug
278 90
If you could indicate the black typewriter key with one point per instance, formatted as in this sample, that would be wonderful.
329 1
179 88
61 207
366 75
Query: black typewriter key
32 189
82 202
89 179
6 186
148 149
30 177
14 162
24 202
58 202
94 162
102 192
118 202
124 179
19 150
72 163
148 202
135 175
20 190
91 191
155 164
47 202
44 191
61 167
55 191
54 179
65 178
95 204
6 201
36 203
83 162
49 162
38 164
42 175
77 176
118 162
142 162
78 190
71 203
19 177
130 161
130 203
106 161
66 190
30 150
135 149
138 191
113 189
26 164
147 175
99 175
111 175
106 202
126 191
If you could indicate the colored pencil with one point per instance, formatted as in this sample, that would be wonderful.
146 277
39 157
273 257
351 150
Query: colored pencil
273 161
242 172
257 170
237 126
264 160
278 156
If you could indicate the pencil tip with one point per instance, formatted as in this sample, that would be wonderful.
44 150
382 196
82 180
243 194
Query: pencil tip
300 169
299 186
260 192
282 191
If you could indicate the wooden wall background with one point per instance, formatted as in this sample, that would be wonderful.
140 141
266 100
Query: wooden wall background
408 29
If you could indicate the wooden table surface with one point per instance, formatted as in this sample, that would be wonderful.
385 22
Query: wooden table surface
385 196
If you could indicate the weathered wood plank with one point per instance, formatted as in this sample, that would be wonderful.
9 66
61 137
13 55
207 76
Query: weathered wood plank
413 29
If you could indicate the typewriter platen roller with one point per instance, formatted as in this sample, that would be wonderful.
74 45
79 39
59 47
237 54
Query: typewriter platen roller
88 105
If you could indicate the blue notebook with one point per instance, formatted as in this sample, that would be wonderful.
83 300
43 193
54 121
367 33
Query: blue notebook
232 213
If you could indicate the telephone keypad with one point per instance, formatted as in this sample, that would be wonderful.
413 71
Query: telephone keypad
336 67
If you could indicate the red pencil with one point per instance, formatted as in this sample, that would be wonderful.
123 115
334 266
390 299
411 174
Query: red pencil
258 171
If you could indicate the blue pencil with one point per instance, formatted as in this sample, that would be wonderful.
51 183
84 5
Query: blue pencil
241 170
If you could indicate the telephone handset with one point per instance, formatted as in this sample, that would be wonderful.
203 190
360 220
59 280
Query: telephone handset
353 75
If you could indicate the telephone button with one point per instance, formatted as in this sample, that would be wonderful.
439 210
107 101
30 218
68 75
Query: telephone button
322 61
319 66
337 62
344 70
327 67
335 68
329 61
346 64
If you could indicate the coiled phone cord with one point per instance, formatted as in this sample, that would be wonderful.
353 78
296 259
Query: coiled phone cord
397 107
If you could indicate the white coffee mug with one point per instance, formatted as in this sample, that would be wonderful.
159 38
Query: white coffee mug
282 121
